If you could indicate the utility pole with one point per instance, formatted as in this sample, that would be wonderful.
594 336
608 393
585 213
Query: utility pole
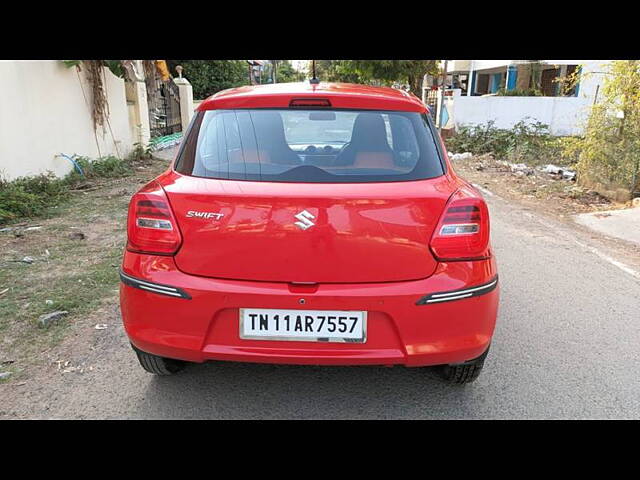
275 70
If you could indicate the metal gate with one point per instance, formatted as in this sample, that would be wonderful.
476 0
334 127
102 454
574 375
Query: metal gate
164 109
431 99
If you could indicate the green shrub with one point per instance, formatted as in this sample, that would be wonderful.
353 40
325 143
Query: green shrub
45 185
479 139
139 153
105 167
528 142
33 196
29 196
15 202
519 92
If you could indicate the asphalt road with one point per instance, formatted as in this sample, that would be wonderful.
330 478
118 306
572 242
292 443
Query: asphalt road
566 346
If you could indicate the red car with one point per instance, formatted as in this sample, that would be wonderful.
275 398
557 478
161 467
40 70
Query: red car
310 224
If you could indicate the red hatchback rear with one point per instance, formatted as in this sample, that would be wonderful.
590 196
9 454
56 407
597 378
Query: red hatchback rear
310 224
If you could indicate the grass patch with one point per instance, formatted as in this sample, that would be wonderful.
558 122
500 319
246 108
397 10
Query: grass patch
76 276
78 292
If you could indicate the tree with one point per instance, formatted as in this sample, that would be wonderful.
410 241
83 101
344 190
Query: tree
284 72
338 71
210 76
378 72
609 152
409 72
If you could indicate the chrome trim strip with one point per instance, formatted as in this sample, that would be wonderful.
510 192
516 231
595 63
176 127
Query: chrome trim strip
153 287
433 300
161 287
435 295
175 294
459 294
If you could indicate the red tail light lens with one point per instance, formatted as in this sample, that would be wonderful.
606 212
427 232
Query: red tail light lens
151 225
463 230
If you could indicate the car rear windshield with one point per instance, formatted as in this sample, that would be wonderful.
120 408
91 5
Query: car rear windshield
321 146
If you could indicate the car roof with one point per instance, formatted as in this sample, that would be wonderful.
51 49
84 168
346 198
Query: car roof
341 95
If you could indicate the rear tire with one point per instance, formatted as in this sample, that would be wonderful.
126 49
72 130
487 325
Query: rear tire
158 365
463 373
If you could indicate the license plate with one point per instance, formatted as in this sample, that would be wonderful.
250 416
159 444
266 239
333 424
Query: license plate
303 325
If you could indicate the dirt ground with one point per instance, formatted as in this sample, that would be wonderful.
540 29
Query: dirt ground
544 192
548 196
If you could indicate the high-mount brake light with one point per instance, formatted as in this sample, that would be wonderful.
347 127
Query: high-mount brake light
151 226
463 230
310 102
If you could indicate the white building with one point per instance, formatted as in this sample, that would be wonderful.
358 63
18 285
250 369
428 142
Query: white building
476 88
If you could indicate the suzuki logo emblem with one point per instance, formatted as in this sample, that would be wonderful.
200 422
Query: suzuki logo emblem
305 220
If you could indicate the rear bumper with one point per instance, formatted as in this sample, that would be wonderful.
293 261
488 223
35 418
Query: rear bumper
202 322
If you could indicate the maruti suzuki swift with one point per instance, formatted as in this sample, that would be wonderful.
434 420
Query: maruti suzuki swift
310 223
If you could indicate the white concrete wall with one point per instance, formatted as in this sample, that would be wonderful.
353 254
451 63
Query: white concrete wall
564 115
43 113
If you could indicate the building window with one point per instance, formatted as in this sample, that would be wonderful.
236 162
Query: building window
554 82
482 86
548 83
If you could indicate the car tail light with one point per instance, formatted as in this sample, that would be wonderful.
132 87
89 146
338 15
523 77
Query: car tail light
151 225
463 230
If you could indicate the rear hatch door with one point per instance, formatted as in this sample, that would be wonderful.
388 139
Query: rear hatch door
320 233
